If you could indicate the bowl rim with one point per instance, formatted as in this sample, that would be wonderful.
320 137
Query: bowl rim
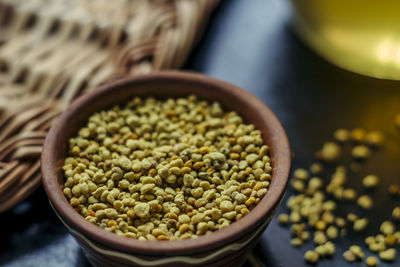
75 220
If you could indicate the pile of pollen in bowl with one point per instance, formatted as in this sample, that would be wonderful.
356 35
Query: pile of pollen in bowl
166 169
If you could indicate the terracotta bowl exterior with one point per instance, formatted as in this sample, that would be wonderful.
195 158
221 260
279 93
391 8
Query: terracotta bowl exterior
226 247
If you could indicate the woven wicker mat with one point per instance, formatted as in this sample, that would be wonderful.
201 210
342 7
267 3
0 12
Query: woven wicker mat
52 51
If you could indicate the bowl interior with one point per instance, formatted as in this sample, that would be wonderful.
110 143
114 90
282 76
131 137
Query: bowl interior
165 85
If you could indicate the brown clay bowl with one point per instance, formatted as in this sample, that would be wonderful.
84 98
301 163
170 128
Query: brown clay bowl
226 247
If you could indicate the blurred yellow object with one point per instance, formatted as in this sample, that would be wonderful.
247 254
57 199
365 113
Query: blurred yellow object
358 35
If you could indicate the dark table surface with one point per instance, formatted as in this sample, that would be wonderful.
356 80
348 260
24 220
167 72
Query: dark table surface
250 44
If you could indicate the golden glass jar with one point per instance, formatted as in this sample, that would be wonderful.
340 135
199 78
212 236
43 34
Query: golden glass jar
359 35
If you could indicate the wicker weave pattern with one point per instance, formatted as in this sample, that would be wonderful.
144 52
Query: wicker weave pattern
52 51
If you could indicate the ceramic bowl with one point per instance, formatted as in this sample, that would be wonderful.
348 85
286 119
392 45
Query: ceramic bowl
226 247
